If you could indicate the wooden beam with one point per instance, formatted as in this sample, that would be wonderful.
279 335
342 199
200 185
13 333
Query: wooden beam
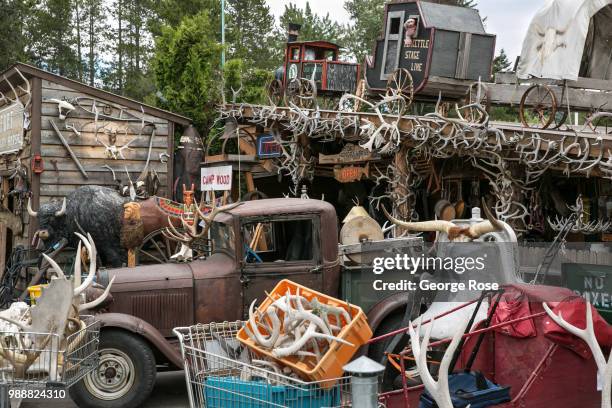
170 162
35 128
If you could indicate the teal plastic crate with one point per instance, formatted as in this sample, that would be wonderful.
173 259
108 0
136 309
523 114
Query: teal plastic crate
232 392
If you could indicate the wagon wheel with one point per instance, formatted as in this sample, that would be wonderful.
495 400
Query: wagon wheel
292 92
477 93
308 93
157 249
400 83
275 92
538 107
351 104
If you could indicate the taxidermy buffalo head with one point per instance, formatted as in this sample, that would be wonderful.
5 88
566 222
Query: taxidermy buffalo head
51 222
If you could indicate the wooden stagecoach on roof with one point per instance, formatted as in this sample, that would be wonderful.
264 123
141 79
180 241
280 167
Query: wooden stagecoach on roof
427 49
424 49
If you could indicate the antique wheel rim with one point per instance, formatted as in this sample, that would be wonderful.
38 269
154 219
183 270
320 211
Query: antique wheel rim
275 92
477 93
400 84
540 102
292 91
159 250
308 93
114 376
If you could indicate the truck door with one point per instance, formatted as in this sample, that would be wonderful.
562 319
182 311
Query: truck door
283 247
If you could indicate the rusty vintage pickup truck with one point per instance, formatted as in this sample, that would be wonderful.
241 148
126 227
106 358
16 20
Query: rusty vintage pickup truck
298 241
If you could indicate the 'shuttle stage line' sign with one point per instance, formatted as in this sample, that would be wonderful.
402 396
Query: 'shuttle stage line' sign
11 129
216 178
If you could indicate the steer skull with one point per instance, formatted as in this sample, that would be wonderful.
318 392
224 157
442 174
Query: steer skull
454 232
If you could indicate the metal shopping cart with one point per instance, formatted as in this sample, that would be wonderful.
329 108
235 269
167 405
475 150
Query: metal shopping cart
221 373
43 365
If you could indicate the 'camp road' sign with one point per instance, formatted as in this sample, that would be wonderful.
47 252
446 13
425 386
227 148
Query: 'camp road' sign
217 178
11 129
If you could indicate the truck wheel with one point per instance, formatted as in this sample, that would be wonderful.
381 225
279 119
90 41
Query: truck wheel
377 350
124 378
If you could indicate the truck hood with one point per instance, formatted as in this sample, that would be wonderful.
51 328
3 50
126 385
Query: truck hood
170 275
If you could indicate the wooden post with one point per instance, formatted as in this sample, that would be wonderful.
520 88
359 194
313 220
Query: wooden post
250 184
35 149
401 189
170 162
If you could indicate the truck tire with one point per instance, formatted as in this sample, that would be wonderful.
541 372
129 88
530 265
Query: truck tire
377 350
125 376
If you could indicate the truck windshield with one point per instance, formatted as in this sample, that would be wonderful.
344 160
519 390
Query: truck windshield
222 236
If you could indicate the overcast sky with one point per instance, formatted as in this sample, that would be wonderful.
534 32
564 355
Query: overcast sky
508 19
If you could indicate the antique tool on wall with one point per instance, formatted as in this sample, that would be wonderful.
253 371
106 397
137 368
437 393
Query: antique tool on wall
70 151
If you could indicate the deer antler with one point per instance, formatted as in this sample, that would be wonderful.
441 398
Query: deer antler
588 336
191 228
438 389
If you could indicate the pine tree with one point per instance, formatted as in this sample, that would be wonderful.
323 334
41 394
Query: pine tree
186 69
96 29
53 39
13 29
313 27
367 17
501 62
249 31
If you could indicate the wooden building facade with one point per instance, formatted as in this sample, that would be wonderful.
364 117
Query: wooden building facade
57 134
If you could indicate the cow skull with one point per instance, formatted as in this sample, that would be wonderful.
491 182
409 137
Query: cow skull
454 232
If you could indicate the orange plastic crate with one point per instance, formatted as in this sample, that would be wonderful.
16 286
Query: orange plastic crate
357 332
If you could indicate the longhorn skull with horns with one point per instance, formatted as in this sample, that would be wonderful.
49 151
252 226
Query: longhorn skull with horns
455 233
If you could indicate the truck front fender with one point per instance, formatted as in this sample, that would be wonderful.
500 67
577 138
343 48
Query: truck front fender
381 310
142 328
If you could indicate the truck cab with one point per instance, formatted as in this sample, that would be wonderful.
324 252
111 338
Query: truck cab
255 245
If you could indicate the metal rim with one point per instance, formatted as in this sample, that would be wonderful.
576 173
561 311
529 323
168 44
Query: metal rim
156 249
477 93
400 83
114 376
275 92
543 104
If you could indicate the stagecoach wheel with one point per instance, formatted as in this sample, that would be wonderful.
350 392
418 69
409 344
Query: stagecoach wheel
275 92
308 93
353 104
292 92
400 84
538 107
477 94
156 249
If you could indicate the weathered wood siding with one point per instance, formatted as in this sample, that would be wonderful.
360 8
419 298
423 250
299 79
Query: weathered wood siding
88 147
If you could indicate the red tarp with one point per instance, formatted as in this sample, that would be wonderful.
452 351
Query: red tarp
522 300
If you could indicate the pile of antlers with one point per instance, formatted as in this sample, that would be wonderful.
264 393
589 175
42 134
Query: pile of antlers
33 336
294 326
190 221
588 336
580 226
